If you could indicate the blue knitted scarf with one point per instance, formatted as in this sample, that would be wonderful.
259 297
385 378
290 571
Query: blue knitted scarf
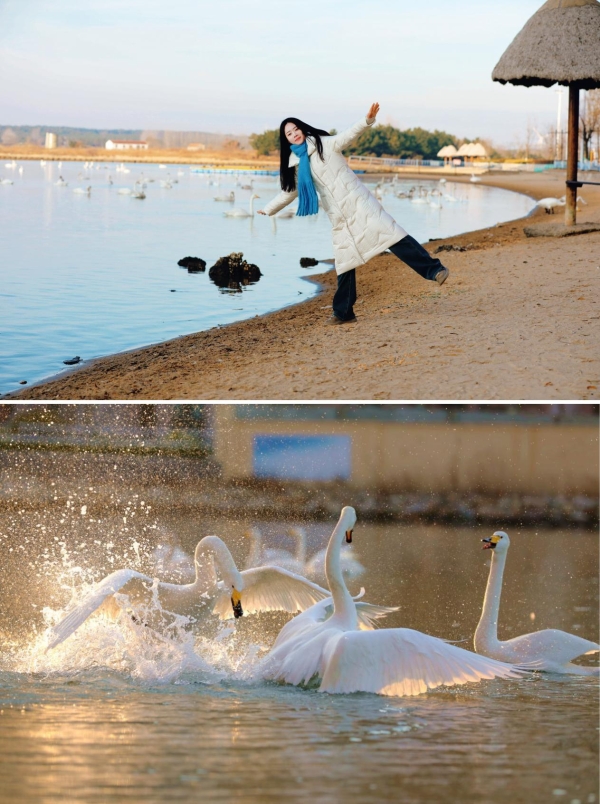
308 203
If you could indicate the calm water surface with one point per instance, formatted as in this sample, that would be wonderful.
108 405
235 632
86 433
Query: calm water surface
92 275
121 715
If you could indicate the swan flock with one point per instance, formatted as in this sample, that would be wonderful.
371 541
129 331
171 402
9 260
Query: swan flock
331 642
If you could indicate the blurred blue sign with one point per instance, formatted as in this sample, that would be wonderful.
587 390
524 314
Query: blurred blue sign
302 457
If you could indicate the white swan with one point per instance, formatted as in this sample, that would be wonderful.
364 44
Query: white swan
342 658
253 590
475 179
286 213
237 212
138 190
230 197
83 190
123 191
550 204
549 650
6 181
61 182
259 554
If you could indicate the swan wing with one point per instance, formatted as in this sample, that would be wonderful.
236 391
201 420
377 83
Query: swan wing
368 613
272 589
320 612
400 661
92 601
552 645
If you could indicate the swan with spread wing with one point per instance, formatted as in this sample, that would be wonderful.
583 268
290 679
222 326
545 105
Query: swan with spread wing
219 588
338 654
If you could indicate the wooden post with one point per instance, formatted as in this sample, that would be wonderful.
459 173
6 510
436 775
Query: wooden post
572 153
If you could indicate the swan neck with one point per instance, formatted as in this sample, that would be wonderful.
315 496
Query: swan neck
300 546
486 634
343 605
216 551
255 555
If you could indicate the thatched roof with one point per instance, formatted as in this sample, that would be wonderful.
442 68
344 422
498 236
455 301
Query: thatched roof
559 44
471 149
447 151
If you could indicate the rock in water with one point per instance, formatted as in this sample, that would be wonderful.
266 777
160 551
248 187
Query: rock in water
308 262
233 271
193 264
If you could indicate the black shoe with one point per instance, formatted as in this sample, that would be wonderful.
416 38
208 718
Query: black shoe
333 319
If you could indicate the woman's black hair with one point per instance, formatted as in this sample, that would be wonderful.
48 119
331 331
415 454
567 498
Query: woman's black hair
287 175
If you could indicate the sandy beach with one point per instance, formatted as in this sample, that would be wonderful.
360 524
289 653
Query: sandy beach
517 319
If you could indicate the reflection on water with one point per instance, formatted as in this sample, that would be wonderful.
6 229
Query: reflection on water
141 720
94 274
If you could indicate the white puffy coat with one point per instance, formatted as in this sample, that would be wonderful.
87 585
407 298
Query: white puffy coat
361 227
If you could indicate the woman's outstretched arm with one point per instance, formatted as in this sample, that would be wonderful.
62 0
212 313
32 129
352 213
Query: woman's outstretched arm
278 203
345 138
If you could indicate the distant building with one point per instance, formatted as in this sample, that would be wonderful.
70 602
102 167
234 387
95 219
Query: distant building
50 140
196 146
126 145
416 447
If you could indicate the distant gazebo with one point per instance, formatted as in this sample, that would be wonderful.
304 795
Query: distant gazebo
446 153
559 44
471 150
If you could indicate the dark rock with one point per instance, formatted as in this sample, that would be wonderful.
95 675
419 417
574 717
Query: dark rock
449 248
193 264
233 271
22 382
308 262
73 361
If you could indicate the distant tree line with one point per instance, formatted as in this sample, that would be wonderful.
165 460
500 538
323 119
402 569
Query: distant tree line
376 141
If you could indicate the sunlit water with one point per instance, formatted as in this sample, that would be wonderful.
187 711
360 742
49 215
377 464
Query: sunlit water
122 712
92 275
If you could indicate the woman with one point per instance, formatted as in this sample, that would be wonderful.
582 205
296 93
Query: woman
311 162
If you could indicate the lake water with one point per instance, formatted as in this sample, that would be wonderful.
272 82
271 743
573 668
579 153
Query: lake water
121 715
93 275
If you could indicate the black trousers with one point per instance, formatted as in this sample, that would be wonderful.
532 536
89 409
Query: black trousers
407 250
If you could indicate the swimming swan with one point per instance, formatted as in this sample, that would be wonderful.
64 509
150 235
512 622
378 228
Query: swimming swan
229 198
296 562
549 650
237 212
259 554
344 659
260 589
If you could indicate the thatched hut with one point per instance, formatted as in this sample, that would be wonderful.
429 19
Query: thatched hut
446 153
559 44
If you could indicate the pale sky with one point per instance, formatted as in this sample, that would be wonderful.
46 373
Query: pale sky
238 66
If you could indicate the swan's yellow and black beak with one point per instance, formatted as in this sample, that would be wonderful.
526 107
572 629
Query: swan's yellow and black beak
236 604
348 537
490 544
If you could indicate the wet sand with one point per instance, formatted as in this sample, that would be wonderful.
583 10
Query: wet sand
516 320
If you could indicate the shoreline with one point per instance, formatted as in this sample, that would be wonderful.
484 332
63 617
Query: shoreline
236 360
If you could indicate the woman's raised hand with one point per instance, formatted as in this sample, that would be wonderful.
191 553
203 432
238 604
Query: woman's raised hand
261 212
373 111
